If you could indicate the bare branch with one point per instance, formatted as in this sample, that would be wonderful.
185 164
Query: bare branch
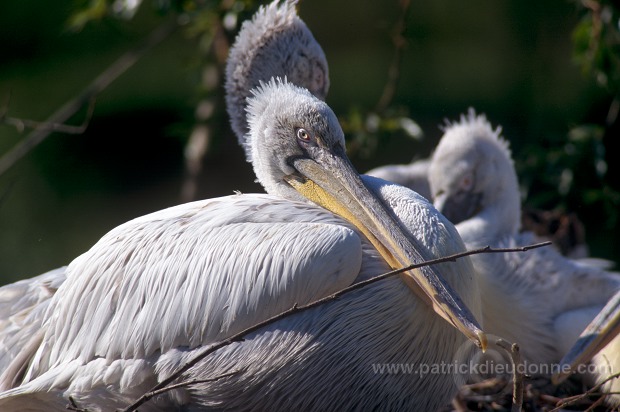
199 142
91 91
73 406
23 124
394 70
590 392
161 387
5 192
517 376
190 382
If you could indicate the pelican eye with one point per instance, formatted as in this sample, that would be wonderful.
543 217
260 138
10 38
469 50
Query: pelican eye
302 134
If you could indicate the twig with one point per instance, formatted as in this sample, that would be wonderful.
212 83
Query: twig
73 406
517 376
590 392
22 124
595 404
200 138
394 70
4 194
190 382
97 86
300 308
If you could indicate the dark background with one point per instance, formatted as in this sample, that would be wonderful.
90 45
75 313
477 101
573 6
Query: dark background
512 60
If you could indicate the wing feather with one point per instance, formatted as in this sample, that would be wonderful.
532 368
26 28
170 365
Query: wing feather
194 274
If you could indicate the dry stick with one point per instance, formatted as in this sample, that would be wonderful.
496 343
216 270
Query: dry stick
596 403
592 391
517 376
22 124
200 137
4 194
73 406
394 70
191 382
300 308
97 86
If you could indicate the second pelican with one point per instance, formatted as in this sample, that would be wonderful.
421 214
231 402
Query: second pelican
540 299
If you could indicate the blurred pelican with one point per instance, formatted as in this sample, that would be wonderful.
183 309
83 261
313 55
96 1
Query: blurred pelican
538 299
596 354
565 230
413 175
275 43
155 290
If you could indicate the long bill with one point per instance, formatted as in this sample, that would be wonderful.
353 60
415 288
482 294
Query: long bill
603 328
331 181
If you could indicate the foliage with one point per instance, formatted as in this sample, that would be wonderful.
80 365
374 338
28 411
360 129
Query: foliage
572 171
597 42
563 171
366 129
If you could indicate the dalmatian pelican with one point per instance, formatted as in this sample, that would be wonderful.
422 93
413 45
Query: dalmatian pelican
596 353
565 230
413 175
155 290
541 300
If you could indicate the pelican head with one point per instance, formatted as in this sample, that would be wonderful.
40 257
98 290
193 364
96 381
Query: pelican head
305 127
298 152
472 173
275 43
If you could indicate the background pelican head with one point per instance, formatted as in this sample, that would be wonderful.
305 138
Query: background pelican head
413 175
275 43
297 149
472 173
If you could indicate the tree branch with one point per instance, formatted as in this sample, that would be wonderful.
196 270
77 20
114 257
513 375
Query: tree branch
190 382
590 392
163 385
22 124
517 376
39 134
394 70
73 406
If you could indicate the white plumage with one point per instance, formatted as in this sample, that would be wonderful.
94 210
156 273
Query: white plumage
596 353
155 290
275 43
22 308
538 299
161 285
413 175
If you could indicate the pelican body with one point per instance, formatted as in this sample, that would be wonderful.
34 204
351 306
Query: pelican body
596 353
413 175
155 291
539 299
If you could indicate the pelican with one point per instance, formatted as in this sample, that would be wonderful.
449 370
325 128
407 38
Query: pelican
275 43
413 175
156 289
22 305
564 230
539 299
153 291
596 353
